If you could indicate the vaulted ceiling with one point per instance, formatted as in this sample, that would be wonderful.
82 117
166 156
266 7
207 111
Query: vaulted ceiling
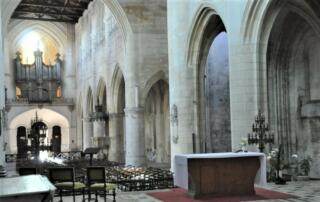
51 10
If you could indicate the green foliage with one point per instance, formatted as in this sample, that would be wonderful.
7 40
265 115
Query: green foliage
305 165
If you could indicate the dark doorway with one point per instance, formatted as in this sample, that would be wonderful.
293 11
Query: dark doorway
37 135
56 140
22 142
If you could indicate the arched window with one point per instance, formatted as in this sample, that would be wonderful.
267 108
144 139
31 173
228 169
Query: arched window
18 92
30 43
33 41
59 92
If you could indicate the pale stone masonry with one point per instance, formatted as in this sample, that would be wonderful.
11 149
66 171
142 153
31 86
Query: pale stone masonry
148 62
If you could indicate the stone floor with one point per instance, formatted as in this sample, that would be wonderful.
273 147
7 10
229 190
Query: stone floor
308 191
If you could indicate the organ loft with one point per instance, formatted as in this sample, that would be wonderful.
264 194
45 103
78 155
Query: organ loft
38 82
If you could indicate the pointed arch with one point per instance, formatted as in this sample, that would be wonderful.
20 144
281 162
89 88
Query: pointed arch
260 15
116 84
101 90
156 122
121 17
8 10
89 101
160 75
54 31
199 22
207 25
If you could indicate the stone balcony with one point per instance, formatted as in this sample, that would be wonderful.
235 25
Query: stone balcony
53 102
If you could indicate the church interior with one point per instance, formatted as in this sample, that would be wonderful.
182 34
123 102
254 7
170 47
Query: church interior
160 95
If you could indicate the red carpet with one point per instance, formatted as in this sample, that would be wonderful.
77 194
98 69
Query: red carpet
180 195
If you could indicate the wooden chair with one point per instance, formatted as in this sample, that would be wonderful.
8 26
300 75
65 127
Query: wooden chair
96 177
27 171
64 180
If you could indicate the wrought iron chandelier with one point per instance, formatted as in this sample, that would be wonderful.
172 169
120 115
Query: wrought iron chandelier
261 134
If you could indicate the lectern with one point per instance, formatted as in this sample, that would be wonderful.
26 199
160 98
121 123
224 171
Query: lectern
91 151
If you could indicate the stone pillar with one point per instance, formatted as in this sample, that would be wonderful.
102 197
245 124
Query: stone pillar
100 138
2 93
135 148
88 128
116 151
99 128
68 76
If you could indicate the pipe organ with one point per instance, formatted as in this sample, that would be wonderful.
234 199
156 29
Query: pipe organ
38 82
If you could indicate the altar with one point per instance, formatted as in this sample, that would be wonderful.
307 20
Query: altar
29 188
220 174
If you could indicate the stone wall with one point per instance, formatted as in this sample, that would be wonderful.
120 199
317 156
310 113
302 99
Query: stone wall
218 133
186 25
132 36
99 52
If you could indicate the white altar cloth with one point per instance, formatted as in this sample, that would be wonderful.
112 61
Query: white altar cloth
26 188
181 165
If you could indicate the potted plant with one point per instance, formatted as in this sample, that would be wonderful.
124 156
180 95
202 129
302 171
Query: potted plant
304 168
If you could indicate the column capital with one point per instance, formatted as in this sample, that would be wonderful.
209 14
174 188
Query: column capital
86 119
132 110
116 115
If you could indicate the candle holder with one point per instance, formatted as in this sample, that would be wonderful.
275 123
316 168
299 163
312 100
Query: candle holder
261 134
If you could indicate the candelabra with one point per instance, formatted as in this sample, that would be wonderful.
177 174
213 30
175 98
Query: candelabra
37 134
261 134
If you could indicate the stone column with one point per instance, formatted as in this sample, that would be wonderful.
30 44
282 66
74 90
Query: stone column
88 128
134 113
100 138
99 128
135 148
2 93
68 76
116 151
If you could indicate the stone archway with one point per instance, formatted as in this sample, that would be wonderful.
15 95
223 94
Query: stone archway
291 65
116 117
49 117
211 69
88 125
157 130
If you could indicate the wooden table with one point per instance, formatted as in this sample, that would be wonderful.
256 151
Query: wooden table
30 188
220 174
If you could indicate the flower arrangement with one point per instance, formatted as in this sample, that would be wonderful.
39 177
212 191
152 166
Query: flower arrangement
243 144
275 165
